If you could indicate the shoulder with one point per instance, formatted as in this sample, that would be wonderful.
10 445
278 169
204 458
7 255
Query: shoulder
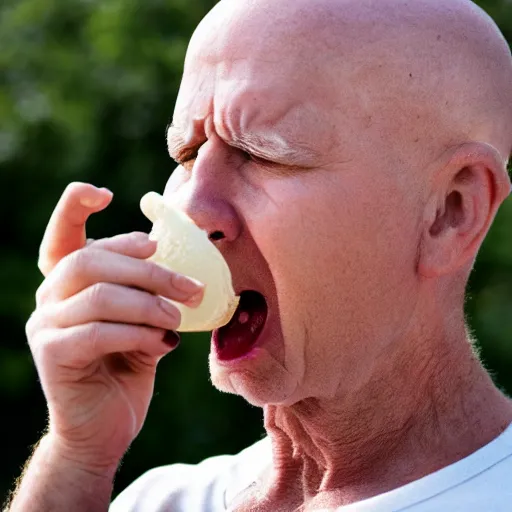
480 481
198 487
489 489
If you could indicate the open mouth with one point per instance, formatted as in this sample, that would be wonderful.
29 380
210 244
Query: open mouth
239 336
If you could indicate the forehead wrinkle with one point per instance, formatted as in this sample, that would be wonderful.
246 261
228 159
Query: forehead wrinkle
265 126
260 137
280 138
271 146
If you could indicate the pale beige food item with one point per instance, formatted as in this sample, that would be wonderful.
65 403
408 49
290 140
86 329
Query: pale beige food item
185 248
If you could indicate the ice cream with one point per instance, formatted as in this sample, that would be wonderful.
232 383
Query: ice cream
185 248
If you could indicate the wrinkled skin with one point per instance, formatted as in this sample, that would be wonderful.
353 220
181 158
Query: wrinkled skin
349 157
352 154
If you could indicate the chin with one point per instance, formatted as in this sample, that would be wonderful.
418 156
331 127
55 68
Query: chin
247 355
260 379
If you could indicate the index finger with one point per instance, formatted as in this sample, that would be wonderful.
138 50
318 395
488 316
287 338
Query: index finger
65 232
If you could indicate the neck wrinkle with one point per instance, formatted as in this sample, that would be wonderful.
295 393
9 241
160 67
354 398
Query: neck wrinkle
427 410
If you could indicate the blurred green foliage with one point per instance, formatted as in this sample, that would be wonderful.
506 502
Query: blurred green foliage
87 88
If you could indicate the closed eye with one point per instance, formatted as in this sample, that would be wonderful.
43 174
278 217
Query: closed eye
191 155
255 159
187 160
264 163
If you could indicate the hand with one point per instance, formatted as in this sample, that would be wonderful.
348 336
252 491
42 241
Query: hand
99 330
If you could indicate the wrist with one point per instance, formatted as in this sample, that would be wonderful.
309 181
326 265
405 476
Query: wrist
79 461
57 480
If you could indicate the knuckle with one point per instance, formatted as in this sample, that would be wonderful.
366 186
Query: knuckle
93 333
44 265
31 326
100 244
112 243
44 346
62 272
41 294
49 258
81 261
99 295
74 187
39 320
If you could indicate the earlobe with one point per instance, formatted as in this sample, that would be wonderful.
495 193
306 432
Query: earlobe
468 191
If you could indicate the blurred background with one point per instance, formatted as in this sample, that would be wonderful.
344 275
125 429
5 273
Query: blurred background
87 88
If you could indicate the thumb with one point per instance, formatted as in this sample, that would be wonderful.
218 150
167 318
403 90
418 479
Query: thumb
65 232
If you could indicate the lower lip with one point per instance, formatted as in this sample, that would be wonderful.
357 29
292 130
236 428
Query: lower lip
240 338
247 356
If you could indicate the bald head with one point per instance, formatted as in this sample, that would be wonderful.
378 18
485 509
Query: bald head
426 75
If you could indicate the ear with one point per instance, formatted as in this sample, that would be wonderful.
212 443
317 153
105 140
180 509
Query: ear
466 194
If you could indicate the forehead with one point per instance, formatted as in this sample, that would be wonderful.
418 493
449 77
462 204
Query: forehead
339 84
253 75
250 95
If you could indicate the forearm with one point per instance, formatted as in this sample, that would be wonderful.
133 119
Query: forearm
53 482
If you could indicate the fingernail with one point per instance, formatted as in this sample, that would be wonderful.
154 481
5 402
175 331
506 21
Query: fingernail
90 202
187 284
195 300
172 339
168 308
142 239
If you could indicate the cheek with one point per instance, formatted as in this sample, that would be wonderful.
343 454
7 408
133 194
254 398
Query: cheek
343 265
294 233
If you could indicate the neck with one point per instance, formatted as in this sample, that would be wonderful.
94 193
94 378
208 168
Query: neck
426 411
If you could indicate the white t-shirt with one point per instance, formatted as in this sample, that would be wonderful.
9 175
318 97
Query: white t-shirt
480 482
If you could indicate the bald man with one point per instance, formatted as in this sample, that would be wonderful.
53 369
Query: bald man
348 158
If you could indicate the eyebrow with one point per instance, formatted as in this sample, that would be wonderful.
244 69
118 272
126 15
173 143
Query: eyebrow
274 147
177 147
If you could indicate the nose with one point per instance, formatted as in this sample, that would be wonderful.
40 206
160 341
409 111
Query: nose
206 197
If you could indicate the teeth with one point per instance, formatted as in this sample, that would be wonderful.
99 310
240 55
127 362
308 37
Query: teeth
243 317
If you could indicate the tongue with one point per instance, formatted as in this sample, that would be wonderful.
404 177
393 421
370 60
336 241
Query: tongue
239 336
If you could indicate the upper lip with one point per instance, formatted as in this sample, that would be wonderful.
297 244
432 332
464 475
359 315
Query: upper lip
245 283
247 275
240 290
